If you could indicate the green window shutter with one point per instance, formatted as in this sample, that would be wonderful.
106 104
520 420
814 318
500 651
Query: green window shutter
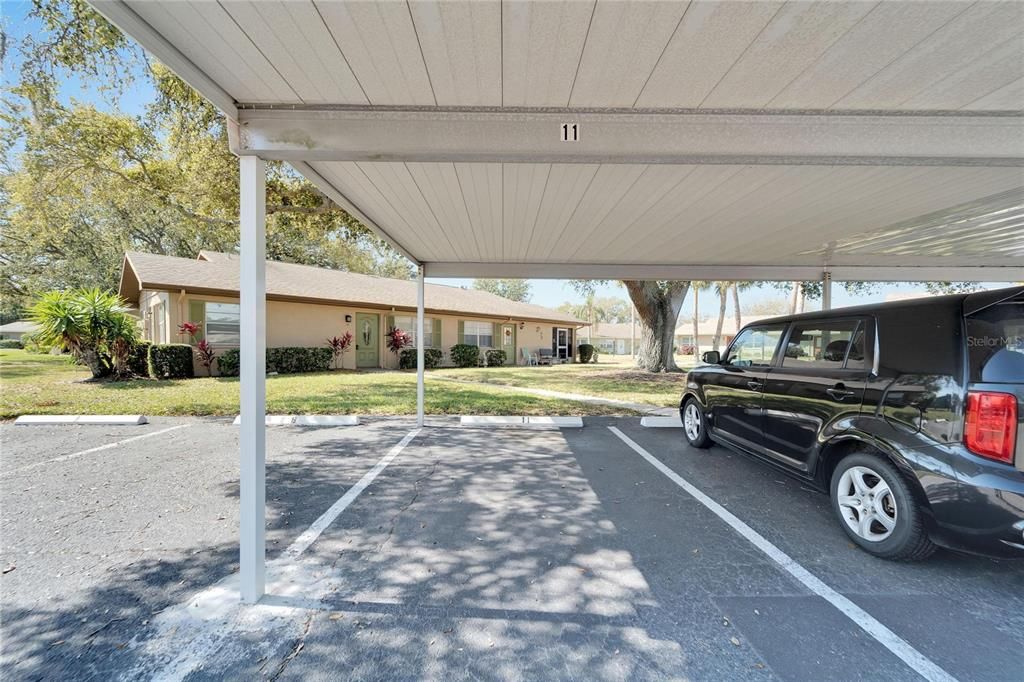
495 341
390 323
435 337
462 331
197 313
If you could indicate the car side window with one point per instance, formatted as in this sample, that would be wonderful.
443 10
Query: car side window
825 345
754 347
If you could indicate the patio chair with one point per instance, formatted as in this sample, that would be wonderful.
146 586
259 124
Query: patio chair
544 356
528 357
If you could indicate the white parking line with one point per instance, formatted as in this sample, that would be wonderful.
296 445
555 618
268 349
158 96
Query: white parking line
108 446
188 633
310 535
917 661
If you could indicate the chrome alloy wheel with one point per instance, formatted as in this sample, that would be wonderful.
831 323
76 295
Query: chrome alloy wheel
867 503
691 421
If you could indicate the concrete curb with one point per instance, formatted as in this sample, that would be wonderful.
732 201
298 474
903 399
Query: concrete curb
661 422
307 420
485 420
100 419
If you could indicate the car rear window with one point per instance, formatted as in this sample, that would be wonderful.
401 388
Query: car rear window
995 343
825 345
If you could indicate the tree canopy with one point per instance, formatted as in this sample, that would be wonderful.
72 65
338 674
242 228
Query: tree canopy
512 289
82 182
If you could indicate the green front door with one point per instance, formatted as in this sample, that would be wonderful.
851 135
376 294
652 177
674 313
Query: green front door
367 340
508 343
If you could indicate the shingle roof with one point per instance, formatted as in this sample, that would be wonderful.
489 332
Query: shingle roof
614 330
19 327
218 273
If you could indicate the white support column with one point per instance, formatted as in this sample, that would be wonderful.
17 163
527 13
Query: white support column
826 290
420 343
253 378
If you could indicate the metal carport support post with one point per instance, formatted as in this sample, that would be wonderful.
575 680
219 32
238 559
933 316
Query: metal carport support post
253 378
826 290
419 345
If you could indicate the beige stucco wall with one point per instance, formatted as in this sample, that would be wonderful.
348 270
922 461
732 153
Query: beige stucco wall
308 324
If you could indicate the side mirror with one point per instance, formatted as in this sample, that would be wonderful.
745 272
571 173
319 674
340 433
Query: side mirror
711 357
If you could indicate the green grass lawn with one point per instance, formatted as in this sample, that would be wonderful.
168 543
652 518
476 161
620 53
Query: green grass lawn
45 384
612 377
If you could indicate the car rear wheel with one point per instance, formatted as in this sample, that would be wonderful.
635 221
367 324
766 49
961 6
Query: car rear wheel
694 424
877 510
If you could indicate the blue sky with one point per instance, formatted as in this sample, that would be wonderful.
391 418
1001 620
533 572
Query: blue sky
134 99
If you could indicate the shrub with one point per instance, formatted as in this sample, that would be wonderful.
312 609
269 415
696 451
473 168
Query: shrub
295 360
432 358
92 324
495 357
170 361
11 343
338 346
465 355
586 352
397 339
228 362
138 360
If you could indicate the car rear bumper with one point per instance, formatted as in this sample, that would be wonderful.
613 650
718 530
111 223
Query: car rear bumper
988 515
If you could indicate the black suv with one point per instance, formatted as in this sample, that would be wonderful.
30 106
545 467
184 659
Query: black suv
908 414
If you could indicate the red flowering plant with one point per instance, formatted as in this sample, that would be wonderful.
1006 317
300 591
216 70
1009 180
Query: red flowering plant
204 350
338 346
398 339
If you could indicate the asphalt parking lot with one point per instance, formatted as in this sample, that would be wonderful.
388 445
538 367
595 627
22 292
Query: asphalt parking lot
476 553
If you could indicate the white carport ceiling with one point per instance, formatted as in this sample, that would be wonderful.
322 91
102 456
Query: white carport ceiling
740 140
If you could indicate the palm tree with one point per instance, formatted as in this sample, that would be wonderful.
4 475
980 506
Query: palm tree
722 289
736 287
697 286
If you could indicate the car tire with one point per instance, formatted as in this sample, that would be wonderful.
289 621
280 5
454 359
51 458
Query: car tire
696 429
876 508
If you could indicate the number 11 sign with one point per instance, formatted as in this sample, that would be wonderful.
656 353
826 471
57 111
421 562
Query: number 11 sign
570 132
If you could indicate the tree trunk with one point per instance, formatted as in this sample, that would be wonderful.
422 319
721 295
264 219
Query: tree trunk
736 305
794 300
657 306
723 295
94 361
696 322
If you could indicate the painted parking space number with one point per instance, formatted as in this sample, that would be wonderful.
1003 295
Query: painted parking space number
570 132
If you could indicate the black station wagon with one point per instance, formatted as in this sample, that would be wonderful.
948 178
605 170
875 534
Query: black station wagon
909 414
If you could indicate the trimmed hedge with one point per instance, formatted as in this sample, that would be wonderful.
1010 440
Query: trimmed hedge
138 361
495 357
11 343
586 352
432 358
228 362
287 360
465 355
295 360
170 361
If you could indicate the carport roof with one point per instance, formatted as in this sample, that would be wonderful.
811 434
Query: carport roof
763 140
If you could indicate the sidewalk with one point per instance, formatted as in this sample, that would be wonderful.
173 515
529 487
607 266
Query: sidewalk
642 408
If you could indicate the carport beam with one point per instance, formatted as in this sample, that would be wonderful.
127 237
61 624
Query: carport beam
253 378
419 345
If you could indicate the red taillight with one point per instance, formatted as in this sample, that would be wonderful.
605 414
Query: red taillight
991 425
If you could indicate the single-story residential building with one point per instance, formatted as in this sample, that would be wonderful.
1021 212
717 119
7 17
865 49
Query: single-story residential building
706 331
614 338
15 330
307 305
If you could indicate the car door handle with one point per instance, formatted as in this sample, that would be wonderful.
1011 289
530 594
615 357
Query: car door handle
839 393
755 385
